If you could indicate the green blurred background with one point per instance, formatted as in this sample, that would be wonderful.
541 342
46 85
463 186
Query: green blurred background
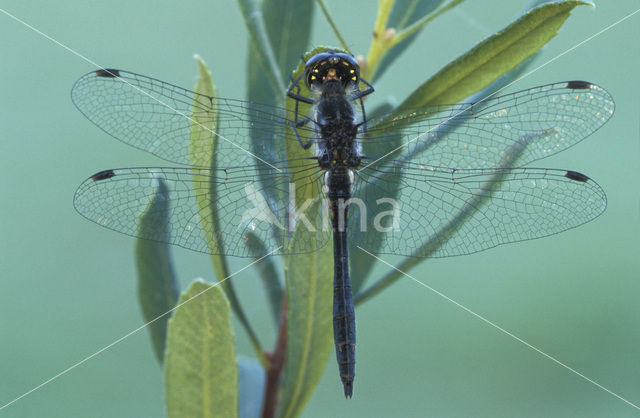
68 286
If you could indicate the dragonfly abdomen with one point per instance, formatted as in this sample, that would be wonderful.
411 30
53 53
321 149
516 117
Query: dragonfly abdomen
344 319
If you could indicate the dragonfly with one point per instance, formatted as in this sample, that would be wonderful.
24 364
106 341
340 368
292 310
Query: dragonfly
434 181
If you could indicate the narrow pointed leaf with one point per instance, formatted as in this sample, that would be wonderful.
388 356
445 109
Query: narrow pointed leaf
499 84
288 24
494 56
201 374
157 283
256 26
288 27
202 151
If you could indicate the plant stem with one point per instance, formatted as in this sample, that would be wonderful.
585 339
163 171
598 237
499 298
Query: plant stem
383 42
377 48
415 27
276 365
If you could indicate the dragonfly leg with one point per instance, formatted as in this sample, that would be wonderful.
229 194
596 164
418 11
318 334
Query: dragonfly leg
304 145
297 123
358 96
295 84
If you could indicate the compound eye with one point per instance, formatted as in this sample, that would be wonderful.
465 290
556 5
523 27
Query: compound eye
351 73
314 77
331 66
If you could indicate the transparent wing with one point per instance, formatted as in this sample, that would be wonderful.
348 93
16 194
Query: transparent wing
441 212
116 198
156 117
477 135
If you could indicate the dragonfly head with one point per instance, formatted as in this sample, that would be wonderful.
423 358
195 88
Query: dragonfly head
331 66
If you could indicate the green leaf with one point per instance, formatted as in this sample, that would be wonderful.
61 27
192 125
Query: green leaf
288 24
202 150
201 374
293 149
309 326
386 106
203 144
251 381
493 57
256 26
503 81
157 283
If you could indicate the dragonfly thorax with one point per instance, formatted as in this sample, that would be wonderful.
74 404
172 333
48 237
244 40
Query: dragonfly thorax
337 129
339 157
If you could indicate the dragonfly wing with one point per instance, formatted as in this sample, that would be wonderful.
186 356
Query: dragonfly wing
442 212
200 218
476 135
157 117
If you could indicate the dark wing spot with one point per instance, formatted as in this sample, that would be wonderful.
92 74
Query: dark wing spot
574 175
108 72
103 175
579 85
